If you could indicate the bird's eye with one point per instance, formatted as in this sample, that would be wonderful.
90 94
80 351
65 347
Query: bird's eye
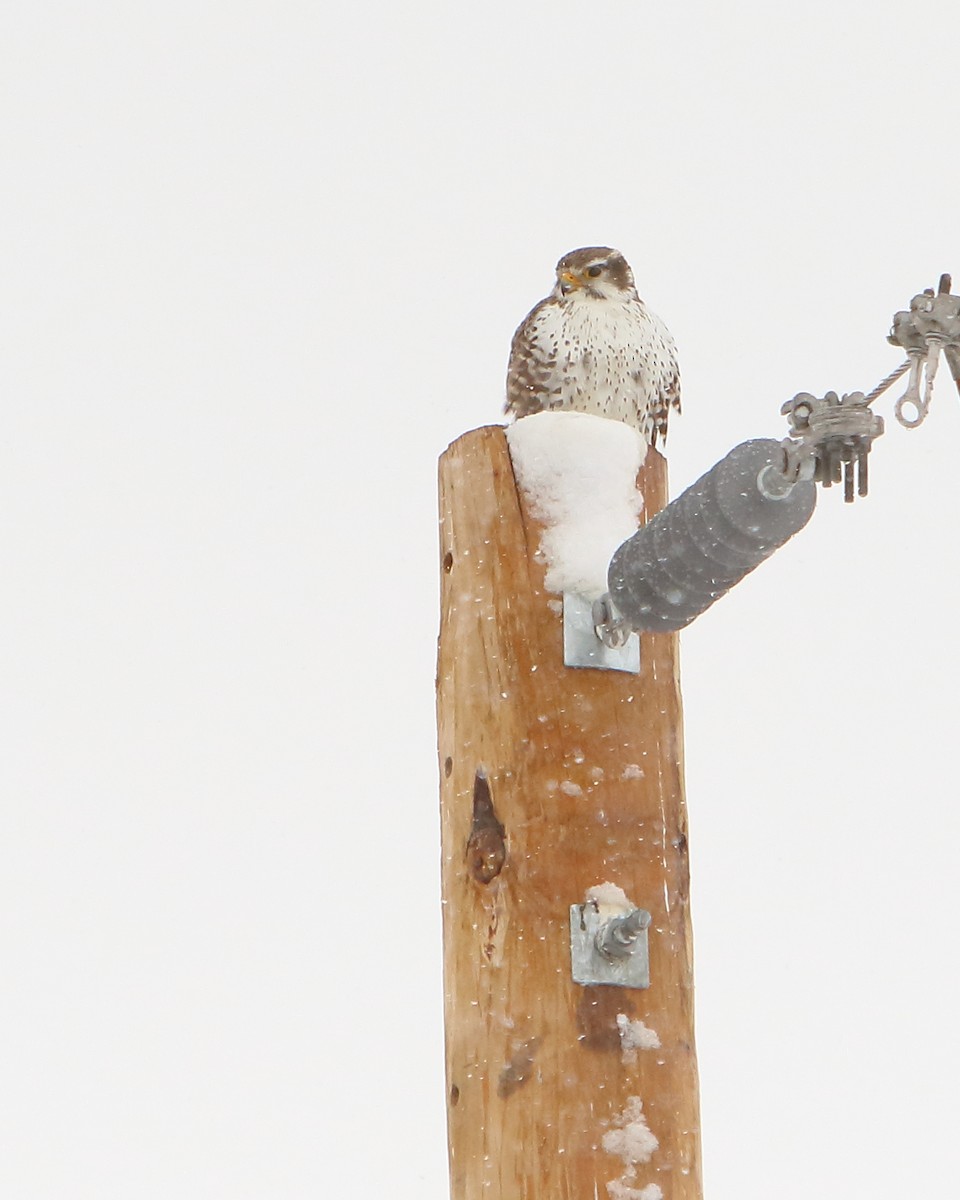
594 271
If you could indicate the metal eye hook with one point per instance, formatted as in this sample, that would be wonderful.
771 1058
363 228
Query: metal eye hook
934 346
912 395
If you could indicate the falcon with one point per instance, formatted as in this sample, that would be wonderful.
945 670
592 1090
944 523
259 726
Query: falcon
593 346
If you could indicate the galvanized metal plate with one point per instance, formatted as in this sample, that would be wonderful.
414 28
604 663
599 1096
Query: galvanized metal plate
589 966
582 647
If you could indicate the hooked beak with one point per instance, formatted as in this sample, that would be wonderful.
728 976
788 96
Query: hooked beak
569 282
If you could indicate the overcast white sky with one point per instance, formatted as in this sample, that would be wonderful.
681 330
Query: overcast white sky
261 263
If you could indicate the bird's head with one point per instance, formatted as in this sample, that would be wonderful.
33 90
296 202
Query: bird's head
597 272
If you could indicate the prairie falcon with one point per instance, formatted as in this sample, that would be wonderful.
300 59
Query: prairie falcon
593 346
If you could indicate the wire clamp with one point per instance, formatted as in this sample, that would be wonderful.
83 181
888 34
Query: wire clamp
929 326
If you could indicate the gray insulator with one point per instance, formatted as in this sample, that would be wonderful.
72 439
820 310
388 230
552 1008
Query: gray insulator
698 547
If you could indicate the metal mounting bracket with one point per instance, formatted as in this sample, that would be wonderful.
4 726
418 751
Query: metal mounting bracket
582 645
609 950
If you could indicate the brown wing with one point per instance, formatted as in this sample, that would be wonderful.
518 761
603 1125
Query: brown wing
668 398
533 363
668 378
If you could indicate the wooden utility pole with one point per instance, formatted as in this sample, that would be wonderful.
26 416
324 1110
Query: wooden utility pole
554 781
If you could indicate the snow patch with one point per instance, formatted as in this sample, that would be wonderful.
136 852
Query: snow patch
619 1190
579 475
633 1141
634 1036
632 771
608 895
569 788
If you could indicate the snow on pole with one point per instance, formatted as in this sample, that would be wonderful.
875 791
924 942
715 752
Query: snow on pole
578 474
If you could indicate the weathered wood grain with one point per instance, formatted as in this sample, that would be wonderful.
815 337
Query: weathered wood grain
553 780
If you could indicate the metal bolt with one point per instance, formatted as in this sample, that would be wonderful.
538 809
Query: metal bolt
618 937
